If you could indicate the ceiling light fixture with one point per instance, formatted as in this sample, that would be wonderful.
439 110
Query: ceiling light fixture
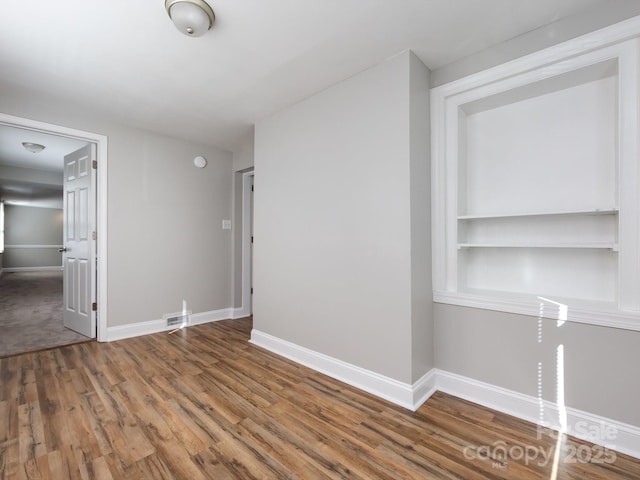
33 147
192 17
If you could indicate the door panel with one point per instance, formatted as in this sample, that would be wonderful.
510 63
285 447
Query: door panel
83 215
83 293
70 284
79 269
70 213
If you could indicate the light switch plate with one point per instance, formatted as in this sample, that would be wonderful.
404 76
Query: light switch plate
226 224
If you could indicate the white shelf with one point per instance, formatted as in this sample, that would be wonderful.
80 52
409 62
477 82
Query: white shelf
547 299
601 211
609 246
581 311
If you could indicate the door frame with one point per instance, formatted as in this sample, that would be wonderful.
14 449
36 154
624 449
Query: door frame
101 203
247 304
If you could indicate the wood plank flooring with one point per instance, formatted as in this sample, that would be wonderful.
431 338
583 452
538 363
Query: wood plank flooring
203 403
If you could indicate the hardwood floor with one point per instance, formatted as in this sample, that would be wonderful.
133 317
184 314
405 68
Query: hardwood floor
204 403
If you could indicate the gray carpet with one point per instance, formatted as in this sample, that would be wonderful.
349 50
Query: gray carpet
31 313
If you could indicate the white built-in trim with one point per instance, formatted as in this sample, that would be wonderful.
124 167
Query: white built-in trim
400 393
591 316
154 326
100 246
31 269
527 407
33 246
608 44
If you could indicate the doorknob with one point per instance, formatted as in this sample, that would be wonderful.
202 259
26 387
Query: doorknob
63 249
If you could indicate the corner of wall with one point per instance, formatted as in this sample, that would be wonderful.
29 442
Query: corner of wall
422 328
243 156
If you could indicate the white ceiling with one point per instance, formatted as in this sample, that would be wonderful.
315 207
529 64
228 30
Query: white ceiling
26 187
125 58
12 153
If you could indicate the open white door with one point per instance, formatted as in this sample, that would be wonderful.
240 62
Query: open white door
78 257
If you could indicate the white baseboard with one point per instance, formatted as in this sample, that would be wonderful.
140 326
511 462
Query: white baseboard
400 393
599 430
211 316
424 388
30 269
240 312
623 437
154 326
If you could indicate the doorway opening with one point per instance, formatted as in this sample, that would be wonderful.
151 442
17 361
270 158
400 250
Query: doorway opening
15 181
247 244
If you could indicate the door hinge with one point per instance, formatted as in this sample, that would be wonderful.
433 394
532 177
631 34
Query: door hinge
251 238
94 307
252 188
95 164
93 235
251 290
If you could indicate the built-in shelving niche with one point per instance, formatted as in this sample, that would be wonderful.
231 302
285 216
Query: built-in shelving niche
530 195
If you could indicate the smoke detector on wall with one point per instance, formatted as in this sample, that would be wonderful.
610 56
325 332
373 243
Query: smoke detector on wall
200 161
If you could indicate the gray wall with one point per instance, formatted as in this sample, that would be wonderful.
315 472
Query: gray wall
333 221
243 157
32 226
420 204
48 193
601 364
165 241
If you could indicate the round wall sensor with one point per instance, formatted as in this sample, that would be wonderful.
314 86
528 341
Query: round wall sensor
200 161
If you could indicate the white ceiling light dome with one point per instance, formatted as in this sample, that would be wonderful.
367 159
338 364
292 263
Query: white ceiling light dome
33 147
192 17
